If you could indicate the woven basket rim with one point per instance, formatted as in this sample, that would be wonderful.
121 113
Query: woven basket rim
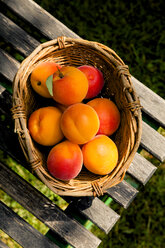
96 187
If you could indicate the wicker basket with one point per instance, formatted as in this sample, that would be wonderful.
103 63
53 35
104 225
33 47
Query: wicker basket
118 87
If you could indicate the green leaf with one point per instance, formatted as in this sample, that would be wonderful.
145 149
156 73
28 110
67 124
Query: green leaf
49 84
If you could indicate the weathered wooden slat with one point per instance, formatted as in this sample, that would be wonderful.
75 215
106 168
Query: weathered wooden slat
153 142
45 210
8 65
13 34
152 103
141 169
96 211
3 245
123 193
39 18
22 232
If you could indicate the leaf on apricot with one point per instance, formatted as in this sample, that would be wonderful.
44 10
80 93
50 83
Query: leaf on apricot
49 84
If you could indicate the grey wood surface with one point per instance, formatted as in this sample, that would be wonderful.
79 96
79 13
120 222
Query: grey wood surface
123 193
96 211
39 18
22 232
152 104
141 169
45 210
8 65
153 142
13 34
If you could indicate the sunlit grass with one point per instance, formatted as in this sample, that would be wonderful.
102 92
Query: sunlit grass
8 240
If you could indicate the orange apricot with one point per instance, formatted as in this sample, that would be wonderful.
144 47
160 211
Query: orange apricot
70 85
108 114
65 160
39 76
100 155
79 123
44 126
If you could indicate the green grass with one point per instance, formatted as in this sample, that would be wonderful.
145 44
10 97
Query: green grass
135 30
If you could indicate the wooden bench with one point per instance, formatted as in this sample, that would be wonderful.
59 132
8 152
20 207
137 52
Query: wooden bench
63 226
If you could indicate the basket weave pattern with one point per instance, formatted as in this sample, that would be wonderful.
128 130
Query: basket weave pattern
118 87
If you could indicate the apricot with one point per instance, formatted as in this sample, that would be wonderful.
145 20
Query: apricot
100 155
95 80
79 123
108 114
70 85
65 160
39 76
44 126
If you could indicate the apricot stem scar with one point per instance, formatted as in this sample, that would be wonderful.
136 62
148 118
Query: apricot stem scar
61 75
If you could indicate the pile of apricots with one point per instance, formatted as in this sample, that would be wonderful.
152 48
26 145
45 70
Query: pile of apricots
78 124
